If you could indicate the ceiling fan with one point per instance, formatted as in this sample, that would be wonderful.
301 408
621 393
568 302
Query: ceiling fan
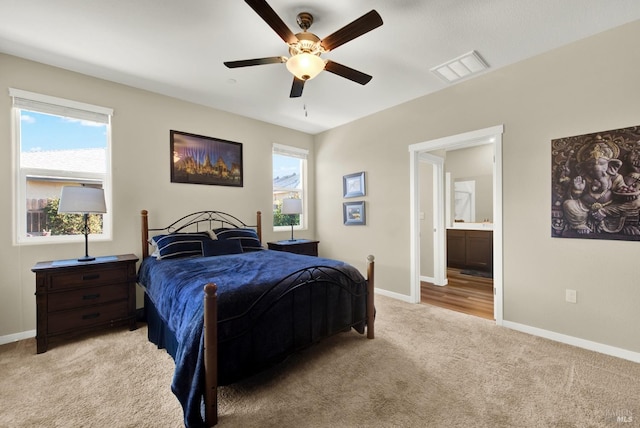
305 48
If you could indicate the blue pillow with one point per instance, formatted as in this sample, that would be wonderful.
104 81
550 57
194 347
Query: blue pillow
248 237
221 247
154 241
180 245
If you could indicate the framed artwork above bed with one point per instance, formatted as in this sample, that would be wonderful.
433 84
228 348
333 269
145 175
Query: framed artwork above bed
197 159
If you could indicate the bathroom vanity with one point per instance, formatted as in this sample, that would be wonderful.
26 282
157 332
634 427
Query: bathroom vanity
470 246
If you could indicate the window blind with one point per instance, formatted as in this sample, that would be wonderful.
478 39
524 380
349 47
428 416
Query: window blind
59 106
294 152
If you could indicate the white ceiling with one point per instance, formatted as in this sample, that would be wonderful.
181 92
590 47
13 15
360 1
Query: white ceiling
176 47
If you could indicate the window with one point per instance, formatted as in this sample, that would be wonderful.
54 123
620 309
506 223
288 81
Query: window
57 143
289 181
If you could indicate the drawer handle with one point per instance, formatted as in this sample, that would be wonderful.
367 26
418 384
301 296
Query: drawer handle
92 276
91 296
91 316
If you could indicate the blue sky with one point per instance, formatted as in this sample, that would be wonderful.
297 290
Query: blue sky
46 132
285 165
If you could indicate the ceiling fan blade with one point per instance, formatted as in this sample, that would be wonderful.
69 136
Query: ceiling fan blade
296 88
257 61
347 72
262 8
357 28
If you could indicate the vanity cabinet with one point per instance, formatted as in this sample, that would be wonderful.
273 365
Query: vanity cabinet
470 249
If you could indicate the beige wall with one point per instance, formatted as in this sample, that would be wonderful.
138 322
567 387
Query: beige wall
476 164
585 87
141 180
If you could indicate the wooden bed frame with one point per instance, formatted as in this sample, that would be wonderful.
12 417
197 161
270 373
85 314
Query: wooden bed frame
210 331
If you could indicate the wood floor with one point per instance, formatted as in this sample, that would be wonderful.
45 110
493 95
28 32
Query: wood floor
471 295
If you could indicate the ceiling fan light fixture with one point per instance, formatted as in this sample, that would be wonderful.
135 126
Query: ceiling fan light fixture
305 66
305 48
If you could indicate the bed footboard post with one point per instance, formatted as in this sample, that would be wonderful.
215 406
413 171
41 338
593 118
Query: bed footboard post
211 354
259 225
371 310
145 233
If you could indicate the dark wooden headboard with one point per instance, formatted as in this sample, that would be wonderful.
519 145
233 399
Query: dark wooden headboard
198 221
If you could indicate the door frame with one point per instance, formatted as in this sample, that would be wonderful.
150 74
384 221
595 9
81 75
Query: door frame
417 152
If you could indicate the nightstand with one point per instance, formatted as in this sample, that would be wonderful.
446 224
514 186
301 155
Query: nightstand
297 246
75 297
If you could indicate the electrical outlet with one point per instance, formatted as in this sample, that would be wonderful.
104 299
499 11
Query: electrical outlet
571 296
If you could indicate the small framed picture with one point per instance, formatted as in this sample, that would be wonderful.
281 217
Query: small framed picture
353 213
353 185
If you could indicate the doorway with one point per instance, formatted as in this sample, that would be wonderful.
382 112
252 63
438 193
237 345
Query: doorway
419 152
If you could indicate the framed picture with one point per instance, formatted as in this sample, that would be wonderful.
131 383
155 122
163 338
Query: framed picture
197 159
353 213
353 185
595 185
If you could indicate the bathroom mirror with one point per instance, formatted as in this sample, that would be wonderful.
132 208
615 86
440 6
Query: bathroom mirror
464 201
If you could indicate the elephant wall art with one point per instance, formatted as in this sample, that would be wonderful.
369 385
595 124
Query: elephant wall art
595 185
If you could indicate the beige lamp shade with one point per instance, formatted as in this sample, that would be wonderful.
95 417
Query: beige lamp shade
82 200
291 206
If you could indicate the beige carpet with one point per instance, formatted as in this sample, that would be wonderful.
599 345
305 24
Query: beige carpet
428 367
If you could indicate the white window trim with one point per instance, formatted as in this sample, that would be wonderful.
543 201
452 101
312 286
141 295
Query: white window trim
295 152
25 100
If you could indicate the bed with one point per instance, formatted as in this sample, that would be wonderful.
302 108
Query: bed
225 308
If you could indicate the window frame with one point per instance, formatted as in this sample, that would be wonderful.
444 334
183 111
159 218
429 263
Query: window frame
45 104
303 156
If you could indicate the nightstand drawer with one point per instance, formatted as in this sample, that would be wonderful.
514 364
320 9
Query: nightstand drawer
86 317
87 296
306 250
91 275
297 246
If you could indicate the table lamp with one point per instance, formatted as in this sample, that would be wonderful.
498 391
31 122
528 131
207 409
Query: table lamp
291 206
85 201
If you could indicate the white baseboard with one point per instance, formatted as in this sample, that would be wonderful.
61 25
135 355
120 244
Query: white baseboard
10 338
393 295
575 341
433 280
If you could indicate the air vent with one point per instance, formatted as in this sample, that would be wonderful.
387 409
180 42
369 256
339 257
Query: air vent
460 68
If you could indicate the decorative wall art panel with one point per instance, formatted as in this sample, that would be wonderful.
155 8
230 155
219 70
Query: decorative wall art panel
205 160
595 185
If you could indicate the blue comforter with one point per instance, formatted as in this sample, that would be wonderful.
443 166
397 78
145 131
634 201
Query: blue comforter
175 287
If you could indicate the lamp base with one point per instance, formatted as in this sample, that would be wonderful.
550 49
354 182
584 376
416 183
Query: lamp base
87 257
